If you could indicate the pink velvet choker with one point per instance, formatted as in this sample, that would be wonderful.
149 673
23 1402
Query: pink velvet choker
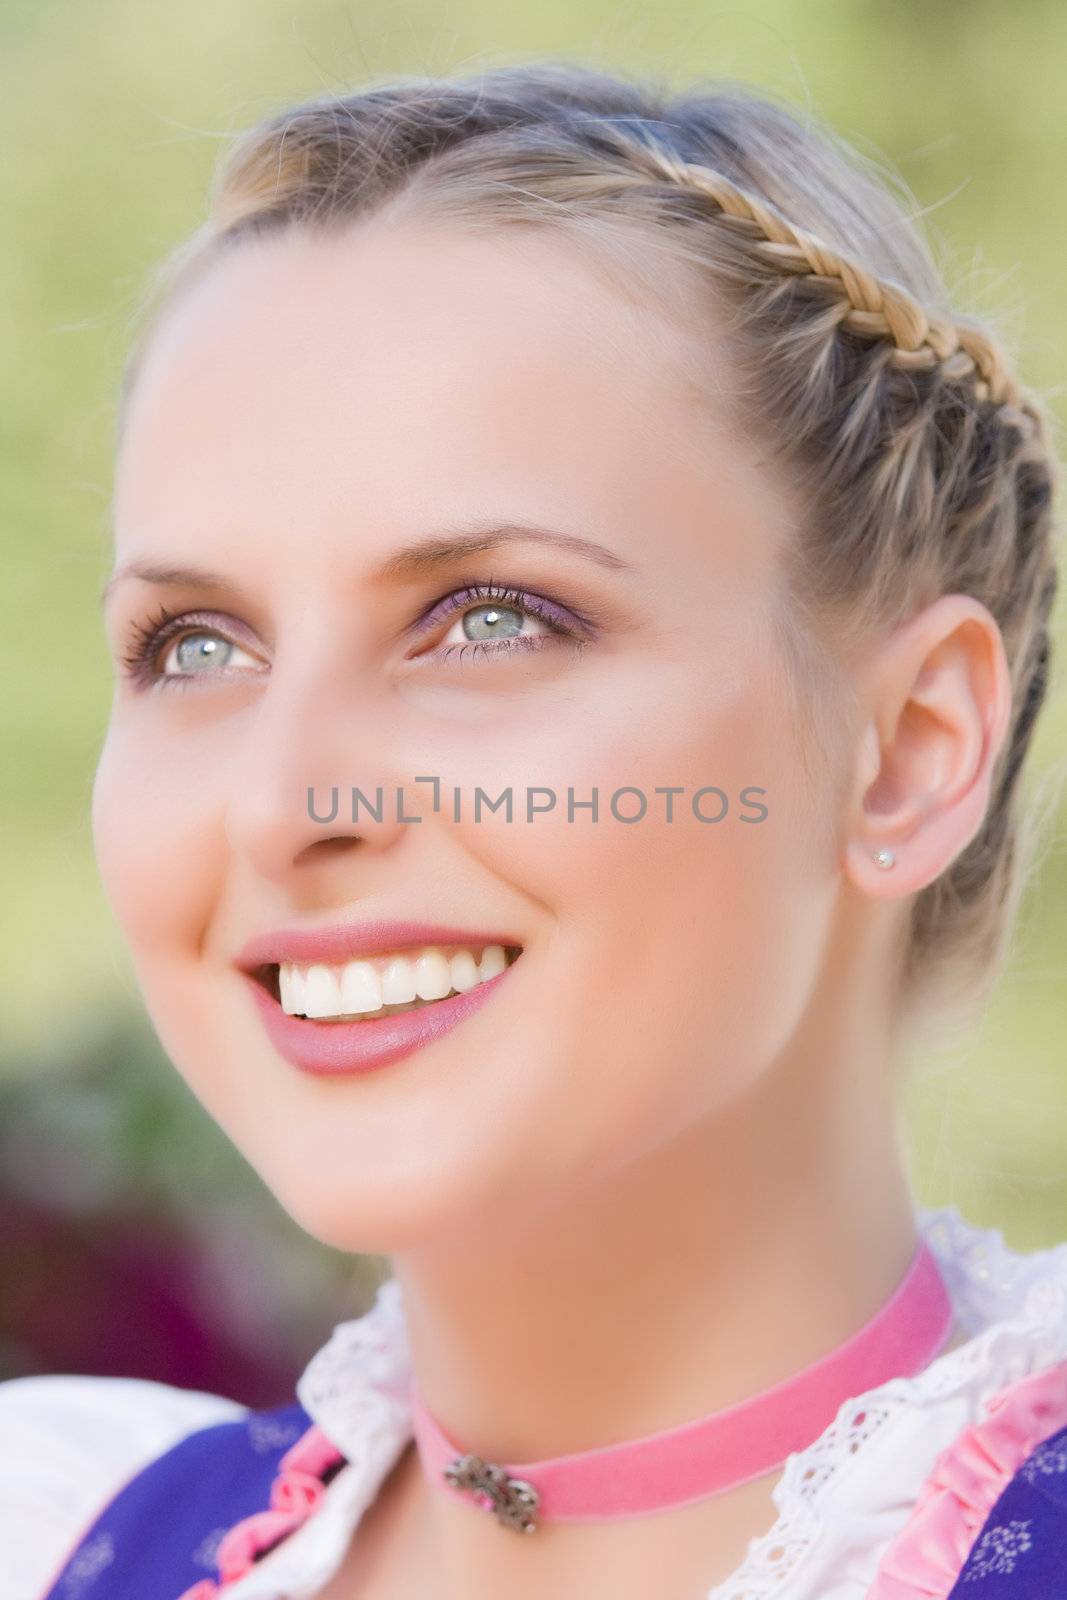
698 1459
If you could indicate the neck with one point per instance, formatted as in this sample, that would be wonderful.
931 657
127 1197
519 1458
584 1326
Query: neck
715 1267
728 1261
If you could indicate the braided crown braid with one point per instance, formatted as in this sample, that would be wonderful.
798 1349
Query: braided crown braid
926 467
865 305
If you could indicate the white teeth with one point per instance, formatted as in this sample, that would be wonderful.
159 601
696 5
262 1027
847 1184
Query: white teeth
361 989
397 983
433 976
493 961
322 992
291 988
464 971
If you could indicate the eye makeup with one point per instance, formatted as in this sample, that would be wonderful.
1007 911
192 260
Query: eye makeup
563 624
147 640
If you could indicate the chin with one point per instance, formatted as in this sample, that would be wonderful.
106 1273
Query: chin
383 1214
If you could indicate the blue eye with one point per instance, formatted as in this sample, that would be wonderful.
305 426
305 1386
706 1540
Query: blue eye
210 651
490 619
203 651
499 622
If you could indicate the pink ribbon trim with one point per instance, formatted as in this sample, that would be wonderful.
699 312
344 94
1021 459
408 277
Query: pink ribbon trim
297 1491
926 1557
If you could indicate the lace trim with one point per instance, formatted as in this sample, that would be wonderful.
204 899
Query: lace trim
1024 1294
355 1387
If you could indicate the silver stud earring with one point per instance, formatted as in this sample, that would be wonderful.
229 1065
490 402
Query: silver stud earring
884 857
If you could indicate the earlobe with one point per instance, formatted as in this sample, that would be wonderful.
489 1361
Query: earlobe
940 704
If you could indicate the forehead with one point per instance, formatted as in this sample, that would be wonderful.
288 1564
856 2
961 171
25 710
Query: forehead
416 368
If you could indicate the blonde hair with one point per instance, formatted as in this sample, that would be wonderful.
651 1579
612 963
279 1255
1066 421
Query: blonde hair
925 468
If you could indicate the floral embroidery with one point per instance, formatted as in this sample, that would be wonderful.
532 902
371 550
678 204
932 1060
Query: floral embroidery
1048 1458
997 1549
207 1551
267 1433
88 1564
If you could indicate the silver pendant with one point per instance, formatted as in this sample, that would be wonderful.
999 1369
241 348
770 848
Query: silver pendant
513 1501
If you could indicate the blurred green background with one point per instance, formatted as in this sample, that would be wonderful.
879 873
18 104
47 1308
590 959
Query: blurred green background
115 113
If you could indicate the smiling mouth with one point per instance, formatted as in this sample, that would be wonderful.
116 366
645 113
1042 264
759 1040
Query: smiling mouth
321 993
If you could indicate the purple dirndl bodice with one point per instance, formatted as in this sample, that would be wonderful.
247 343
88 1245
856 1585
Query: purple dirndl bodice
198 1517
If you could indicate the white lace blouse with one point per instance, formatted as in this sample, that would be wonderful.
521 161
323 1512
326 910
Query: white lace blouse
68 1443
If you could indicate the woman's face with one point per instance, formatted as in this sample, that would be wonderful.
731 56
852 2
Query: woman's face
306 409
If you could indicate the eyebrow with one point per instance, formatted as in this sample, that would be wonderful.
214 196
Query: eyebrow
411 560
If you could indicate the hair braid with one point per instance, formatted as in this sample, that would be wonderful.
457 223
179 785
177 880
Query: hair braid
869 306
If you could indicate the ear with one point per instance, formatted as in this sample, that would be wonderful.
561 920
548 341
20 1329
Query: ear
937 697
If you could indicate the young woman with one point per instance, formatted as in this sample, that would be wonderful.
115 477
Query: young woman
580 607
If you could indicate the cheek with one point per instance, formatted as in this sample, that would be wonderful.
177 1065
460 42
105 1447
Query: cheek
677 944
160 852
156 847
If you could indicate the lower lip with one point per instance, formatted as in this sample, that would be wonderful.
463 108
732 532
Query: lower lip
337 1049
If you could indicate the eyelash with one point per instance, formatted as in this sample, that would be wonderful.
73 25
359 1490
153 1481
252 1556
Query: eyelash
148 639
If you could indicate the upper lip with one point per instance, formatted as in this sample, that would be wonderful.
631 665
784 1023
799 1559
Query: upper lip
347 941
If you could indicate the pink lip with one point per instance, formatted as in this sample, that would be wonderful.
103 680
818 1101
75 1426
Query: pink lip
332 1049
348 941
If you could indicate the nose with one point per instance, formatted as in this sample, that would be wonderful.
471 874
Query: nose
305 747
